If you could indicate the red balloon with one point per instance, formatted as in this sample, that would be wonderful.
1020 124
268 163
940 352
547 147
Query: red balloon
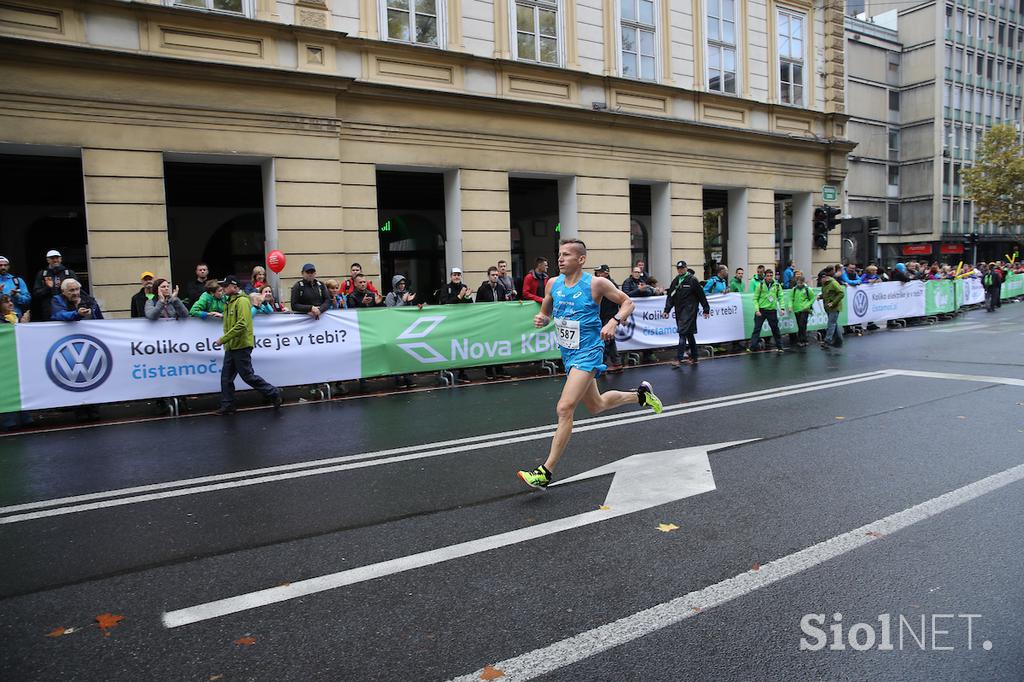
276 260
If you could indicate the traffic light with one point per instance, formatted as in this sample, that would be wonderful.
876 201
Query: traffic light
833 216
821 227
825 218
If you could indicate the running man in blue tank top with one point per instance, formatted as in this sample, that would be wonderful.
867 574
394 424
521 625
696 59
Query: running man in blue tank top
575 299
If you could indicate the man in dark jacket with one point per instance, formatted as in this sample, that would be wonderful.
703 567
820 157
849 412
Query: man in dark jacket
195 288
144 294
362 296
991 280
456 291
608 311
453 293
47 285
309 295
491 289
685 298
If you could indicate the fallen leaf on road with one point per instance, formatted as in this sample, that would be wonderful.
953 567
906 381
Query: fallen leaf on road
697 609
875 534
491 673
214 678
840 417
604 507
286 584
756 567
245 641
60 632
105 621
667 527
960 416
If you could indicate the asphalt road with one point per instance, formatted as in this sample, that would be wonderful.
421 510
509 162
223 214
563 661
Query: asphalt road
149 520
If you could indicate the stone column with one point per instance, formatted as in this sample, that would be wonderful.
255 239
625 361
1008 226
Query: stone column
126 218
603 222
484 216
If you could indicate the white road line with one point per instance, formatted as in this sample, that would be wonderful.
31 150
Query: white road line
586 644
158 491
1007 381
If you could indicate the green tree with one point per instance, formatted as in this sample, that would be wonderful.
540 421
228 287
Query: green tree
996 182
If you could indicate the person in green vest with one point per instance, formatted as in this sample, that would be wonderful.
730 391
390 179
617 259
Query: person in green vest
238 341
736 283
757 279
767 305
832 293
801 305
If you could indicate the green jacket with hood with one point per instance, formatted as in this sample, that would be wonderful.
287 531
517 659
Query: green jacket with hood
238 332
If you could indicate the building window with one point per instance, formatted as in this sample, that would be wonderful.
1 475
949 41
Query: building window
230 6
894 101
894 175
791 57
721 46
537 31
413 21
894 213
894 145
638 30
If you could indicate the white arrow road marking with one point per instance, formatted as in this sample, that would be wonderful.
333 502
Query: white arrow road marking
586 644
641 481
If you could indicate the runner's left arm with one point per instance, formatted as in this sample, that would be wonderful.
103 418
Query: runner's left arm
605 289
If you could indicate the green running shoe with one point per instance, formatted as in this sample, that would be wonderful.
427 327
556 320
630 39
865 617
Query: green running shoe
539 478
645 395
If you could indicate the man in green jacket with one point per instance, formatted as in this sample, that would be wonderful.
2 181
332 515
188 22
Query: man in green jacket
767 303
736 283
801 303
757 279
238 341
832 293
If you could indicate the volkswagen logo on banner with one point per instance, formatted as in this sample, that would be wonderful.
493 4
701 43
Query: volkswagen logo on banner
624 331
860 304
79 363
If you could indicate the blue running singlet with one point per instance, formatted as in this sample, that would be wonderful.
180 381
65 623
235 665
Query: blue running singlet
578 325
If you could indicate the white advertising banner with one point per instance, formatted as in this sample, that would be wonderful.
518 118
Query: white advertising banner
648 329
77 363
971 291
884 301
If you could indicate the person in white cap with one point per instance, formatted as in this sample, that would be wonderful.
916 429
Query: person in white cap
15 287
47 284
456 291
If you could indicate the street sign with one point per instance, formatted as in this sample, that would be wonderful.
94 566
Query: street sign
638 482
829 193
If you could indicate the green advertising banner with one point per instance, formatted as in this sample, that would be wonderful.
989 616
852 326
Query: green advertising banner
10 396
1013 286
939 297
407 340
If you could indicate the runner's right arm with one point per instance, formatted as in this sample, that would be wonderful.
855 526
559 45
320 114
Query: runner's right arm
542 318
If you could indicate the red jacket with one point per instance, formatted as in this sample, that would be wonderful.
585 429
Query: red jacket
348 286
533 287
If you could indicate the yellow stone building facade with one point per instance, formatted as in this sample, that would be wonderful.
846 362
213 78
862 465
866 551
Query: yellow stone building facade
319 109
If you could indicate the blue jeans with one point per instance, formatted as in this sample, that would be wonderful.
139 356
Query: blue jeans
834 333
239 363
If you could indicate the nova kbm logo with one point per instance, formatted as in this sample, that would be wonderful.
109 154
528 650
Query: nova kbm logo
79 363
461 342
624 331
421 350
860 303
940 298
